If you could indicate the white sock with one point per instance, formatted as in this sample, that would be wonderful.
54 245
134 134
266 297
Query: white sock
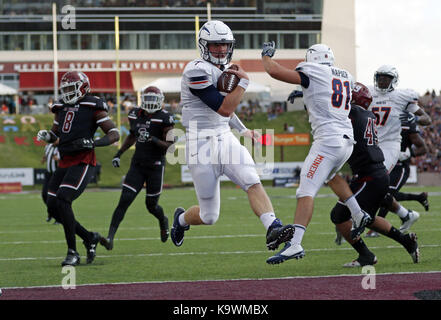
402 212
267 219
353 206
299 231
182 222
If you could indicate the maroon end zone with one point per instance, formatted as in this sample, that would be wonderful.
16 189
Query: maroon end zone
387 287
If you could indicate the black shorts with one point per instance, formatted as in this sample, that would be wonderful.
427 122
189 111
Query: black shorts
70 181
151 174
398 176
369 192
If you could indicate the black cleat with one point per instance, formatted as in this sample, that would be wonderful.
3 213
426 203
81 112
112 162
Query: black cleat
277 234
107 243
177 231
422 198
362 261
163 226
72 258
91 247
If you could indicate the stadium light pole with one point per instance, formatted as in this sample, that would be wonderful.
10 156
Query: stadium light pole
55 49
118 100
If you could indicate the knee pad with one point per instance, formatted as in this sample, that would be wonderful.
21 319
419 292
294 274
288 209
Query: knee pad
387 201
340 213
209 210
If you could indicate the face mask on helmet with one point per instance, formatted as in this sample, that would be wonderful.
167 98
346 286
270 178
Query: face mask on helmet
320 53
216 32
152 102
386 79
74 86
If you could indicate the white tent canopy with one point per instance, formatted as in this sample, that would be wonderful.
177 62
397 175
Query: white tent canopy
173 85
6 90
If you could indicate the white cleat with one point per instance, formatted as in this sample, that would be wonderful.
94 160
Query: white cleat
409 220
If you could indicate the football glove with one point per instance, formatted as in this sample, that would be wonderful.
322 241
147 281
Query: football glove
116 162
43 135
295 94
268 49
407 119
83 144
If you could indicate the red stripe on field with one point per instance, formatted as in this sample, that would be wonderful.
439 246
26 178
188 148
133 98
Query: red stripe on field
388 287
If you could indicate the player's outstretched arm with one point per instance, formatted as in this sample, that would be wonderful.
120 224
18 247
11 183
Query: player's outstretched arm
423 118
419 147
274 69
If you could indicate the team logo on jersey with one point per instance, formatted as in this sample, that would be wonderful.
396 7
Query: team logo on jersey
143 134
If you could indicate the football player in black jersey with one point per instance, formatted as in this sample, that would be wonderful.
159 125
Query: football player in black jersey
412 145
77 117
370 183
150 129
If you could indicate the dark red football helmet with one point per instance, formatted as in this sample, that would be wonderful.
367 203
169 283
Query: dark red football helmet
74 85
361 95
152 99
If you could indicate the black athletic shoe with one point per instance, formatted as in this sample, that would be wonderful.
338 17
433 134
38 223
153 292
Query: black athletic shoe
177 231
278 233
163 226
361 261
107 243
412 247
422 198
91 247
72 258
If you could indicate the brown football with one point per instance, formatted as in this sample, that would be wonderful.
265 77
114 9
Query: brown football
227 82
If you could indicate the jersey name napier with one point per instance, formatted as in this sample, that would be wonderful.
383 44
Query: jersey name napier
327 99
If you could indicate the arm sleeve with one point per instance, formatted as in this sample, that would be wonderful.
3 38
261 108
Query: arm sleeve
304 79
235 123
210 96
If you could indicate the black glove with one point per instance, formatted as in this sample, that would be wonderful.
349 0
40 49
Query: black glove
407 118
83 144
268 49
295 94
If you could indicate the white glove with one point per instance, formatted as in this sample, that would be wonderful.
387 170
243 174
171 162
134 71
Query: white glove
116 162
404 155
43 135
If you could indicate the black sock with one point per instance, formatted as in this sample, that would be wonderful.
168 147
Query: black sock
362 249
69 223
397 235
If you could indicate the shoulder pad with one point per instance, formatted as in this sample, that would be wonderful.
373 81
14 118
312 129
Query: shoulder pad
94 102
409 95
198 74
133 114
56 106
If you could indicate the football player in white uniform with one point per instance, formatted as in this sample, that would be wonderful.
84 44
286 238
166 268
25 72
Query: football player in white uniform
211 147
388 104
327 96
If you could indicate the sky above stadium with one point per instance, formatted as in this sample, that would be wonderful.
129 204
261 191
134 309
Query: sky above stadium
403 33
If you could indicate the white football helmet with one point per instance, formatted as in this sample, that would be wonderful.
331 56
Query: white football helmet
383 85
215 31
320 53
152 99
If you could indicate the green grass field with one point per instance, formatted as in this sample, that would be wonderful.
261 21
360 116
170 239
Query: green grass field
31 250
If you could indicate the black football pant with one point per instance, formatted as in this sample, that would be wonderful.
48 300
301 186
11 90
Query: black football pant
150 174
66 185
398 178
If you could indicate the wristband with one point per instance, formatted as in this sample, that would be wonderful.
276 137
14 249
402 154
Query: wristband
244 83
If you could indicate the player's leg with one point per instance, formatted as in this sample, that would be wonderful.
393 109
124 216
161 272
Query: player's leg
44 189
132 184
240 169
341 217
74 183
207 185
318 166
155 176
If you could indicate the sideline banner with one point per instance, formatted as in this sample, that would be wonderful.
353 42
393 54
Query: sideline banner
266 171
23 175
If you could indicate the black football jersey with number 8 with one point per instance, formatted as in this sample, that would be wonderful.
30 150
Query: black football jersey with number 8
77 120
144 125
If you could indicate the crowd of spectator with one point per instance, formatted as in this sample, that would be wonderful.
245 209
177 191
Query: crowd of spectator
431 162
